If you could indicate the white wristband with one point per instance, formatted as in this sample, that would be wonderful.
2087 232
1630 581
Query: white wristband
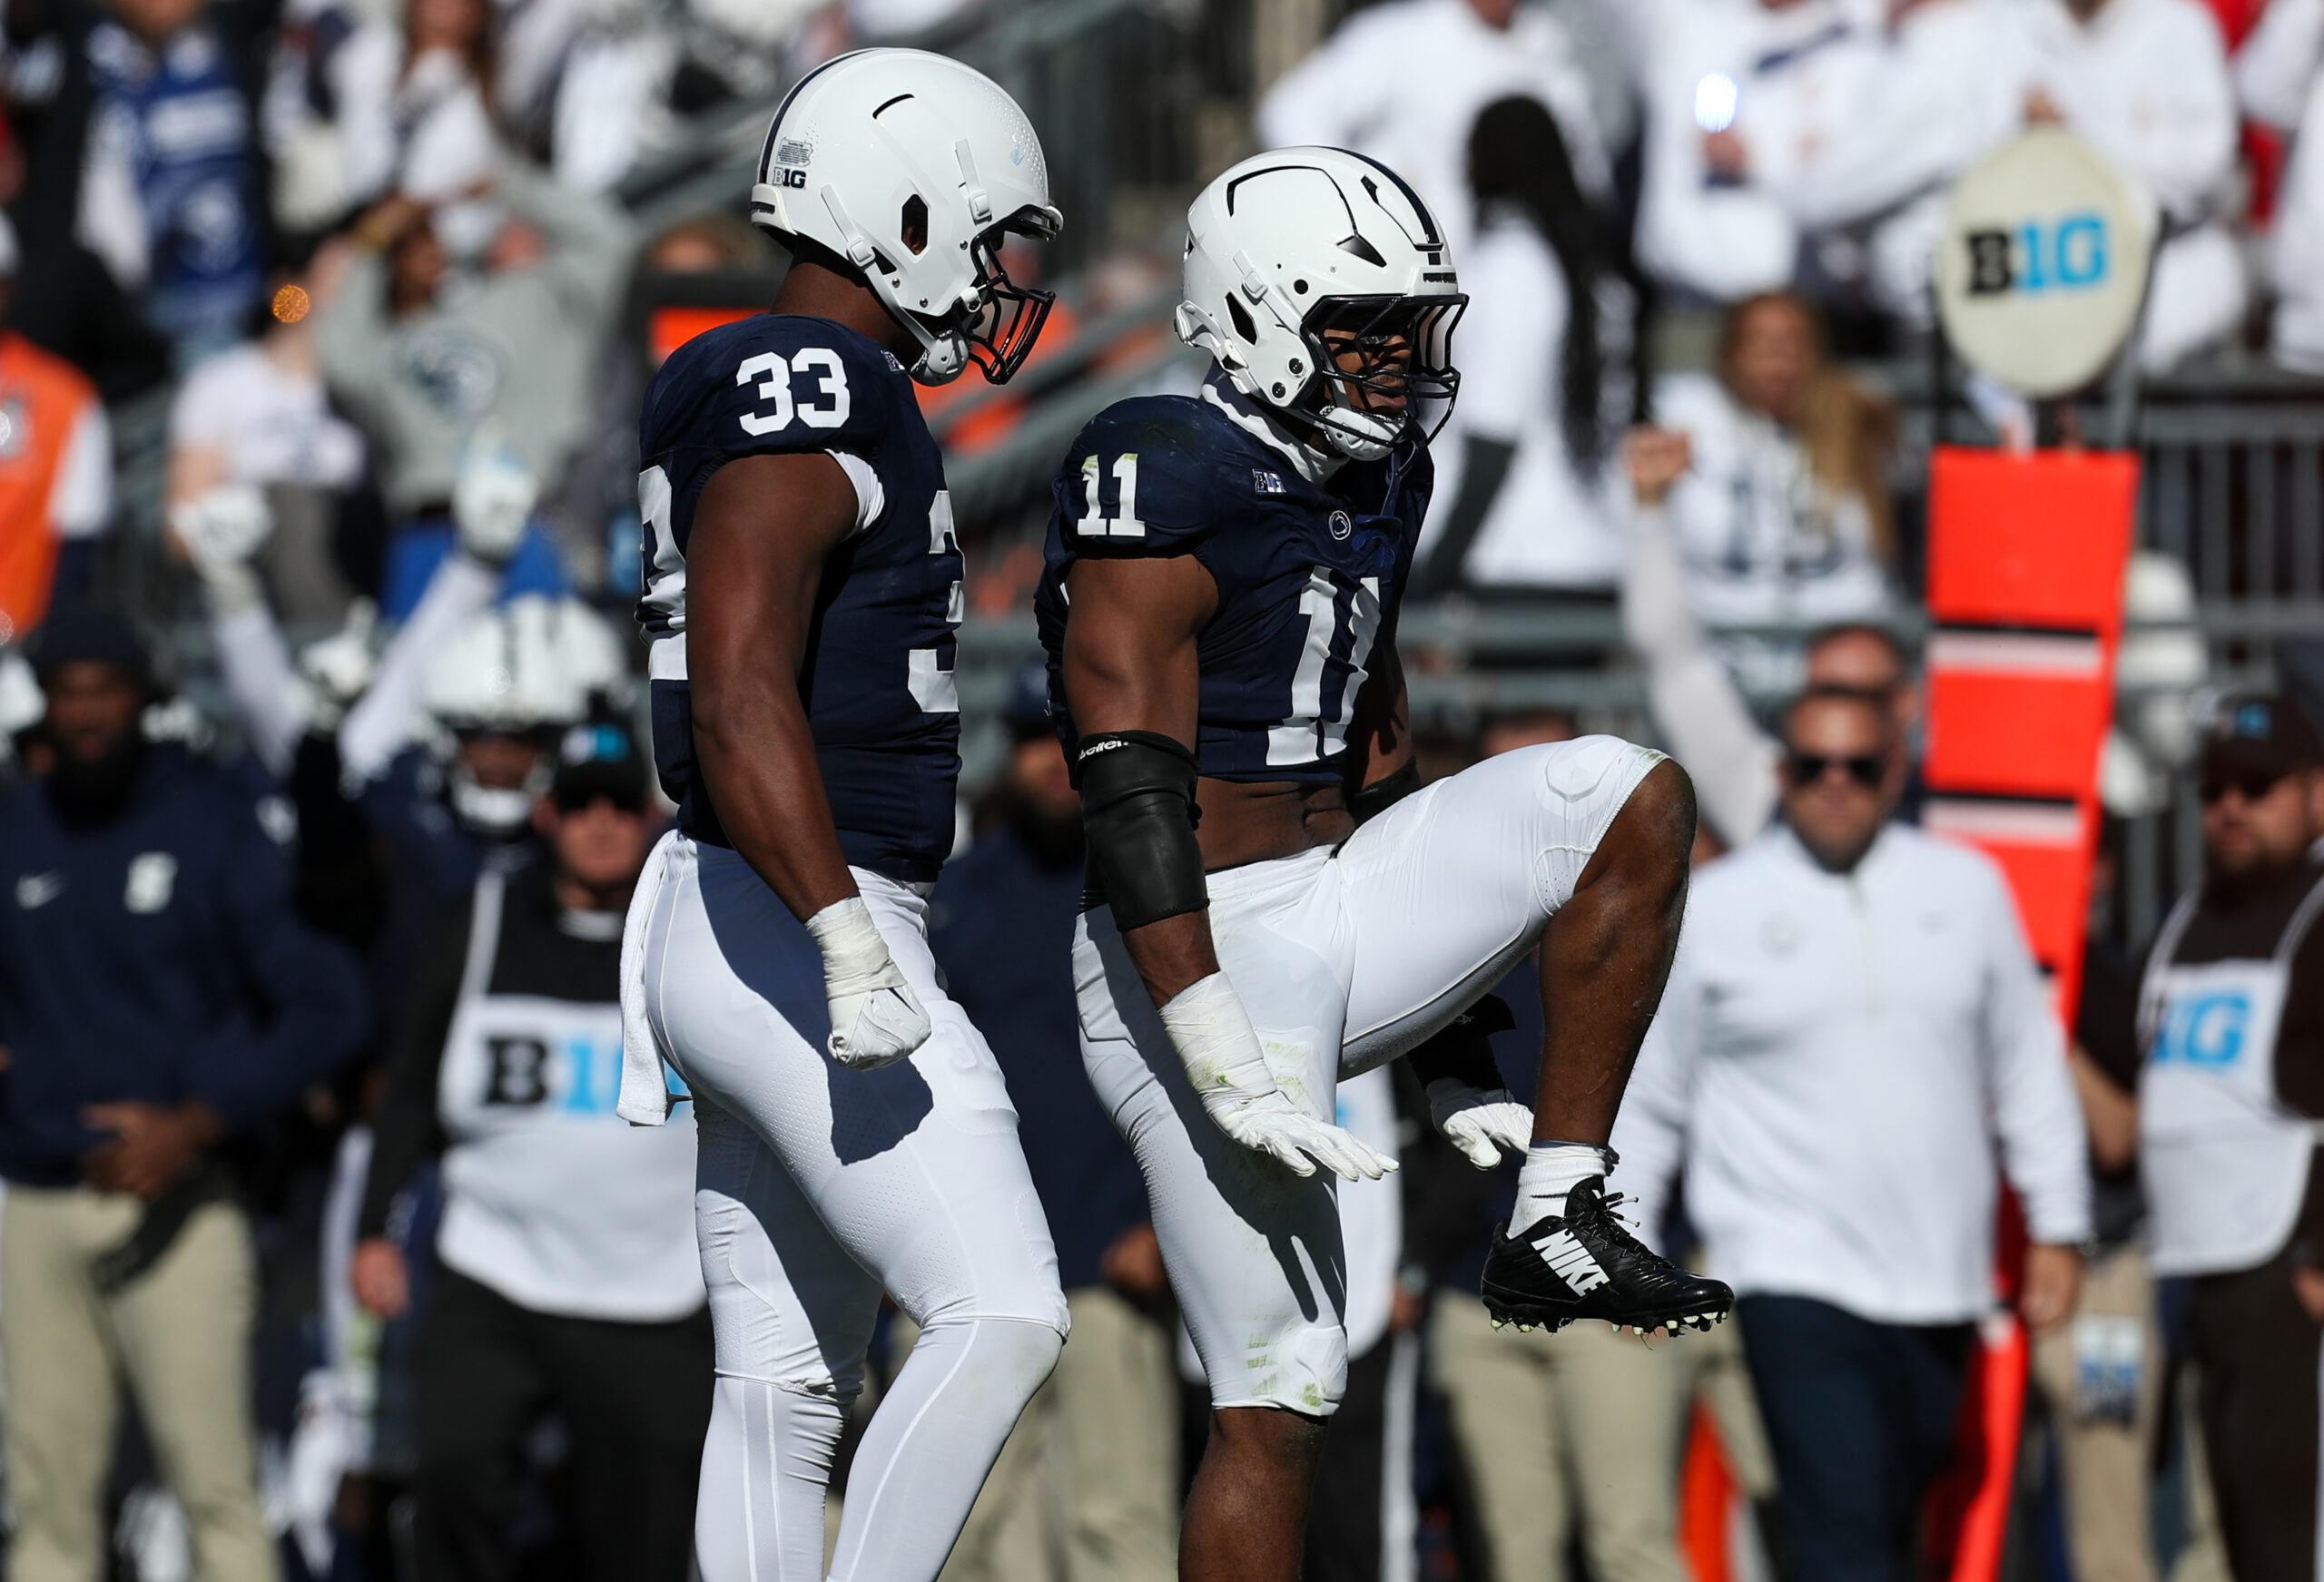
855 959
1215 1039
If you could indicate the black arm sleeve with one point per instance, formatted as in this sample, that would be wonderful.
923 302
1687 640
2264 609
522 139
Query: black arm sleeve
1463 1051
407 1130
1137 806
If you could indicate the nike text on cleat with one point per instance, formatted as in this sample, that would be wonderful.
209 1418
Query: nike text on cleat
1585 1265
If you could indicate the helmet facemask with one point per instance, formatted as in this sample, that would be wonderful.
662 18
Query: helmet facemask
995 321
1010 316
1383 366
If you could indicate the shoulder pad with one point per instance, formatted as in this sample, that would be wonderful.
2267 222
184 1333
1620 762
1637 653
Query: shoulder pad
772 383
1143 480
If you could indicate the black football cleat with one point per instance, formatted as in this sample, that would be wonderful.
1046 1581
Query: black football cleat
1586 1264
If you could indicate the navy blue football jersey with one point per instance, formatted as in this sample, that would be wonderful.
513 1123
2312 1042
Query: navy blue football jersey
878 681
1308 574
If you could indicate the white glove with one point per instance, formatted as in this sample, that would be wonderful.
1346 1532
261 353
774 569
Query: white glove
339 668
876 1020
1478 1122
1212 1034
221 529
492 500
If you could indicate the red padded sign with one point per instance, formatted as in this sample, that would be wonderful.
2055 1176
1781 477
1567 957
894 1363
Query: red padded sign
2034 540
2020 735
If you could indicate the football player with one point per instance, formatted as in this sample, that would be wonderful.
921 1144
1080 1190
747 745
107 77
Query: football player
1279 903
802 588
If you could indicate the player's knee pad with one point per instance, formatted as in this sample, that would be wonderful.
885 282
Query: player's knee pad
1302 1369
1581 785
1011 1357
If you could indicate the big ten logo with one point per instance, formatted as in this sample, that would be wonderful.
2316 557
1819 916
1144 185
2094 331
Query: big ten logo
794 177
579 1075
2205 1030
2068 254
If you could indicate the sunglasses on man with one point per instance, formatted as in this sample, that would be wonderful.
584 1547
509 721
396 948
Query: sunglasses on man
2252 783
1806 768
577 799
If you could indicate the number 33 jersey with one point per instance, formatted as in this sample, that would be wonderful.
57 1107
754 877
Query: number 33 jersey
878 677
1308 574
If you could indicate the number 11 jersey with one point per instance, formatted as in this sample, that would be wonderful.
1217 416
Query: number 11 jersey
877 681
1308 573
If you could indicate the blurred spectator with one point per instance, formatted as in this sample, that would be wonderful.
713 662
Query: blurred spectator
1704 230
328 114
257 417
2280 78
2231 1014
2101 1374
1549 376
159 997
1854 1037
568 1278
1783 514
611 93
141 211
2146 83
169 197
1698 704
1856 134
421 359
1363 90
1092 1467
446 148
55 471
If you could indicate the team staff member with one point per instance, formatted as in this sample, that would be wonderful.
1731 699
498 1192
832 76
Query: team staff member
157 994
569 1278
2231 1013
1854 1047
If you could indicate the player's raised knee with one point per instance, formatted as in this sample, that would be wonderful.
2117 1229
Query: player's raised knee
1661 812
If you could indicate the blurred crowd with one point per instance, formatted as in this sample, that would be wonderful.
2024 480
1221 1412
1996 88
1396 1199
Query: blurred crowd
317 848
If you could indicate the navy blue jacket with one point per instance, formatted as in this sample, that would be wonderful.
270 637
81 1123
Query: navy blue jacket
1002 932
156 958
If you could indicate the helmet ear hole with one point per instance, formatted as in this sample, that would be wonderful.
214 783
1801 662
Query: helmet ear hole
1245 326
914 227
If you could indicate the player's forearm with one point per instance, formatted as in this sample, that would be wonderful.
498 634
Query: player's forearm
758 761
1172 954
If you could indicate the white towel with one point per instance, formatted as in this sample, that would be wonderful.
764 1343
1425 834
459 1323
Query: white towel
645 1099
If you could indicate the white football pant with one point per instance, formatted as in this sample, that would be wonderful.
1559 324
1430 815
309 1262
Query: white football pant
817 1188
1344 959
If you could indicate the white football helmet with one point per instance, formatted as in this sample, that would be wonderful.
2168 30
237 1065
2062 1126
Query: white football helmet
528 669
875 145
1290 248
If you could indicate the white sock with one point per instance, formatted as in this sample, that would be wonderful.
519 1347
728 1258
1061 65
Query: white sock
1550 1171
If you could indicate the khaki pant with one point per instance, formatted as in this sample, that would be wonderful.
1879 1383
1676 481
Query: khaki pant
179 1334
2103 1458
1587 1418
1087 1488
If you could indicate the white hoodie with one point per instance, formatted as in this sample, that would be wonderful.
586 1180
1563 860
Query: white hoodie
1840 1065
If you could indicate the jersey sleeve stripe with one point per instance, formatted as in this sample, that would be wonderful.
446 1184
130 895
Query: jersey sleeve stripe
870 499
